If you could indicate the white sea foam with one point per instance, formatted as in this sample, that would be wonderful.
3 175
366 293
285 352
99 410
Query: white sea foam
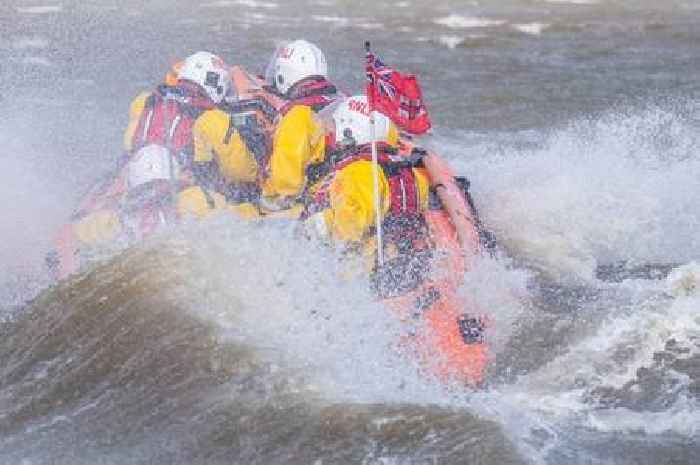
39 10
574 2
558 393
499 292
621 188
454 21
34 42
451 42
646 327
682 417
684 280
369 26
604 359
36 61
257 18
235 3
337 20
534 29
321 314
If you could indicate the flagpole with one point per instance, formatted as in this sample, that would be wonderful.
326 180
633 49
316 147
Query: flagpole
375 167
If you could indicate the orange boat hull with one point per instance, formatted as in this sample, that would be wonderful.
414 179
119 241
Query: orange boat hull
437 308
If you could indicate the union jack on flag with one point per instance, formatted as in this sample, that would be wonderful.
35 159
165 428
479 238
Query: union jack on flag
383 75
397 96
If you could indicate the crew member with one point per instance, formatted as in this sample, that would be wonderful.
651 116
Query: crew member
342 206
298 73
187 120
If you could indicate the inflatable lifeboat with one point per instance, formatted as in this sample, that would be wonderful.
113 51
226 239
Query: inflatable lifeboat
447 329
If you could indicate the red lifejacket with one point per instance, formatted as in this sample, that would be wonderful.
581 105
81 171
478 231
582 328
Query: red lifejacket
168 117
314 92
403 188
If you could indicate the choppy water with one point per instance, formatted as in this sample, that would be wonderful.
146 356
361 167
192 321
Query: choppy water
577 122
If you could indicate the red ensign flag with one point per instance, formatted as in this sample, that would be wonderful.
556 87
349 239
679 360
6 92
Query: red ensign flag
396 95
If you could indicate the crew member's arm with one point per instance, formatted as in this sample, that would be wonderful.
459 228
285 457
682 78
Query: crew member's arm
298 142
352 210
219 150
135 110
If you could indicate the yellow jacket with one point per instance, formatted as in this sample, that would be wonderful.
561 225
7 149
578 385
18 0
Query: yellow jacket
195 202
212 142
298 141
135 110
351 211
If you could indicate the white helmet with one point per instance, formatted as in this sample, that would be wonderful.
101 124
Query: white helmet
209 72
151 163
293 62
351 118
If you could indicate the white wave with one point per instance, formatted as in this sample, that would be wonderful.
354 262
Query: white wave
234 3
622 188
451 42
500 293
35 42
257 18
684 280
647 328
306 305
683 417
39 10
337 20
557 394
193 21
574 2
36 61
625 340
317 310
534 29
454 21
369 26
402 4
